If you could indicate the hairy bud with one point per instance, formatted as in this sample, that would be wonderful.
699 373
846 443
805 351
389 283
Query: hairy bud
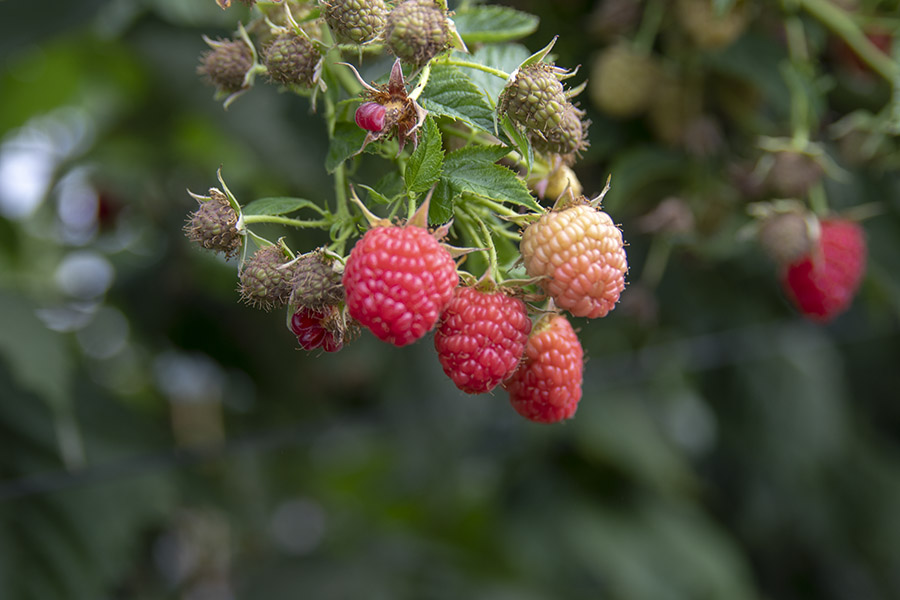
214 225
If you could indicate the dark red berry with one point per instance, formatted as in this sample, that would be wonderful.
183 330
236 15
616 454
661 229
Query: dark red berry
370 116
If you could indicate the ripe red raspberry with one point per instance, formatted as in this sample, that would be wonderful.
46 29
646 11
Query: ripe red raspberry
309 327
481 338
822 284
546 387
398 281
580 252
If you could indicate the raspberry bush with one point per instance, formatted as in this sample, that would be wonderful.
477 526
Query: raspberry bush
482 139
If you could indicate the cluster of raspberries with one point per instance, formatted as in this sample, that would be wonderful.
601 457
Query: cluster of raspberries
415 31
400 282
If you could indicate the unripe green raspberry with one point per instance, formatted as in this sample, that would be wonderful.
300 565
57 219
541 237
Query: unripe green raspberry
265 279
535 98
674 106
226 64
569 136
291 60
417 31
355 21
793 174
214 225
788 236
317 281
706 28
622 81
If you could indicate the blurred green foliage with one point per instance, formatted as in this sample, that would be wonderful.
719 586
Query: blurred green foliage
157 440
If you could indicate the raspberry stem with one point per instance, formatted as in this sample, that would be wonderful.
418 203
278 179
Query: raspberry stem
839 22
279 220
454 62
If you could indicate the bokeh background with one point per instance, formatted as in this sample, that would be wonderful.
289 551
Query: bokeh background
159 440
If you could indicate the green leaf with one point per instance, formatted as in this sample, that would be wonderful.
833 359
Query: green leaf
484 24
451 93
472 154
521 141
467 171
348 139
442 202
424 166
506 57
279 206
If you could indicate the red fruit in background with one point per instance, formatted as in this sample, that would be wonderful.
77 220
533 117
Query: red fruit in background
370 116
822 284
546 387
481 338
398 281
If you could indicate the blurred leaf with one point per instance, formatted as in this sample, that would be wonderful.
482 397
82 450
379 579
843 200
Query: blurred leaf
37 356
424 166
618 430
489 24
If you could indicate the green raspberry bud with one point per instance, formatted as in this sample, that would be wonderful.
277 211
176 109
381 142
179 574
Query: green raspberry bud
265 279
291 60
226 64
568 137
214 225
535 98
622 81
708 29
355 21
417 31
793 174
317 281
786 236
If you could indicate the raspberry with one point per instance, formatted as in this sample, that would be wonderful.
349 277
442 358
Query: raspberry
310 327
265 280
317 280
398 281
370 116
675 105
355 21
706 28
481 338
623 81
225 66
822 284
546 387
214 225
580 252
786 236
417 31
793 174
566 138
535 98
291 60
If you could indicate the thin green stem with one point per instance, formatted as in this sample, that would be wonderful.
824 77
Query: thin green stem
492 250
656 261
646 35
841 24
818 201
290 222
496 207
454 62
340 192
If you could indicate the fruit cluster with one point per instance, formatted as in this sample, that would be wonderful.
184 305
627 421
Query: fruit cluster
475 161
